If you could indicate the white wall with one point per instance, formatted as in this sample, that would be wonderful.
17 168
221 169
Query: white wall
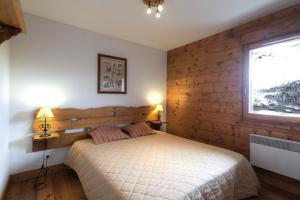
4 115
56 65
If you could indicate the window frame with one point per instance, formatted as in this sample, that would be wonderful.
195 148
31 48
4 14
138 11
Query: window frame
247 116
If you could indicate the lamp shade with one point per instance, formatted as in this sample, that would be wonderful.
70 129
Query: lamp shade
44 113
159 108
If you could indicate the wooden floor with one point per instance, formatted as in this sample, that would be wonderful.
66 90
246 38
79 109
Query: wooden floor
61 185
65 185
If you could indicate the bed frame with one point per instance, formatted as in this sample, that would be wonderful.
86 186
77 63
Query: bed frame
78 120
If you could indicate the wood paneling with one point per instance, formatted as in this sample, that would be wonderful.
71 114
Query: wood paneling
71 118
205 83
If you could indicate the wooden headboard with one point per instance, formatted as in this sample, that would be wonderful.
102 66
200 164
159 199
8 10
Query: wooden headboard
71 118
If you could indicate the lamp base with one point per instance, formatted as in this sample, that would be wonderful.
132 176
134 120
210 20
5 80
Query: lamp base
45 135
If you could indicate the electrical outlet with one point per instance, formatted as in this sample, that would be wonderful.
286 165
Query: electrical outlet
49 156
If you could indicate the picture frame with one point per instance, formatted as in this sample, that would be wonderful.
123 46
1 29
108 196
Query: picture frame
112 74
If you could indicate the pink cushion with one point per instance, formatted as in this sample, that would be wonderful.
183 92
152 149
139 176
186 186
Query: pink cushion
139 129
102 135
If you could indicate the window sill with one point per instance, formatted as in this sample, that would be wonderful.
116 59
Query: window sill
273 119
280 126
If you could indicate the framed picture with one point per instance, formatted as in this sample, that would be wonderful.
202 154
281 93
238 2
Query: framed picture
112 74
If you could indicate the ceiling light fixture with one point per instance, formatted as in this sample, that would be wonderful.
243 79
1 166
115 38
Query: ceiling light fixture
158 4
157 14
149 11
160 8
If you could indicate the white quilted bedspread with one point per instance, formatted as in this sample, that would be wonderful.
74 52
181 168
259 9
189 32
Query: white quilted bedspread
161 166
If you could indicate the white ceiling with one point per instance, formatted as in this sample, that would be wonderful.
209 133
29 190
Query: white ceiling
182 21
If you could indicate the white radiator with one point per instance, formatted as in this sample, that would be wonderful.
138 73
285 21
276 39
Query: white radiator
276 155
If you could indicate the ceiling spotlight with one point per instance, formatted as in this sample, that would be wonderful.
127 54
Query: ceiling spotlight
160 8
149 11
157 14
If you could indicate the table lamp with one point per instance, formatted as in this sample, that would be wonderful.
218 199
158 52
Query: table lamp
159 108
45 113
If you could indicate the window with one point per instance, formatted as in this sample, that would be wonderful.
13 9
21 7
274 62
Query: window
272 80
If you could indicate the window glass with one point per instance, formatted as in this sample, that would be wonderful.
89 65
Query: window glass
274 79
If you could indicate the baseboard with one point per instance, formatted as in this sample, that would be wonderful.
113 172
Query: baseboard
278 181
2 196
33 173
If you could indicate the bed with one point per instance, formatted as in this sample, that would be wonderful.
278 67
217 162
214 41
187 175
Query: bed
161 166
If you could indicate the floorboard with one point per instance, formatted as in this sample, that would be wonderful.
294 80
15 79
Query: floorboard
61 185
65 185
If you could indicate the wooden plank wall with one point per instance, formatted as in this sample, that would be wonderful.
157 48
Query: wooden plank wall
204 98
205 85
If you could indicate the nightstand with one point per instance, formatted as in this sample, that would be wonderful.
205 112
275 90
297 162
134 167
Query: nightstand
156 125
40 143
37 137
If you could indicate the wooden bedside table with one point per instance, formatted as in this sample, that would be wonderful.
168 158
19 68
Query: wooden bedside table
156 125
37 137
38 143
57 140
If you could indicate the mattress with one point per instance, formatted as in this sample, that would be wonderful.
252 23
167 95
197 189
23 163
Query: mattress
161 166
